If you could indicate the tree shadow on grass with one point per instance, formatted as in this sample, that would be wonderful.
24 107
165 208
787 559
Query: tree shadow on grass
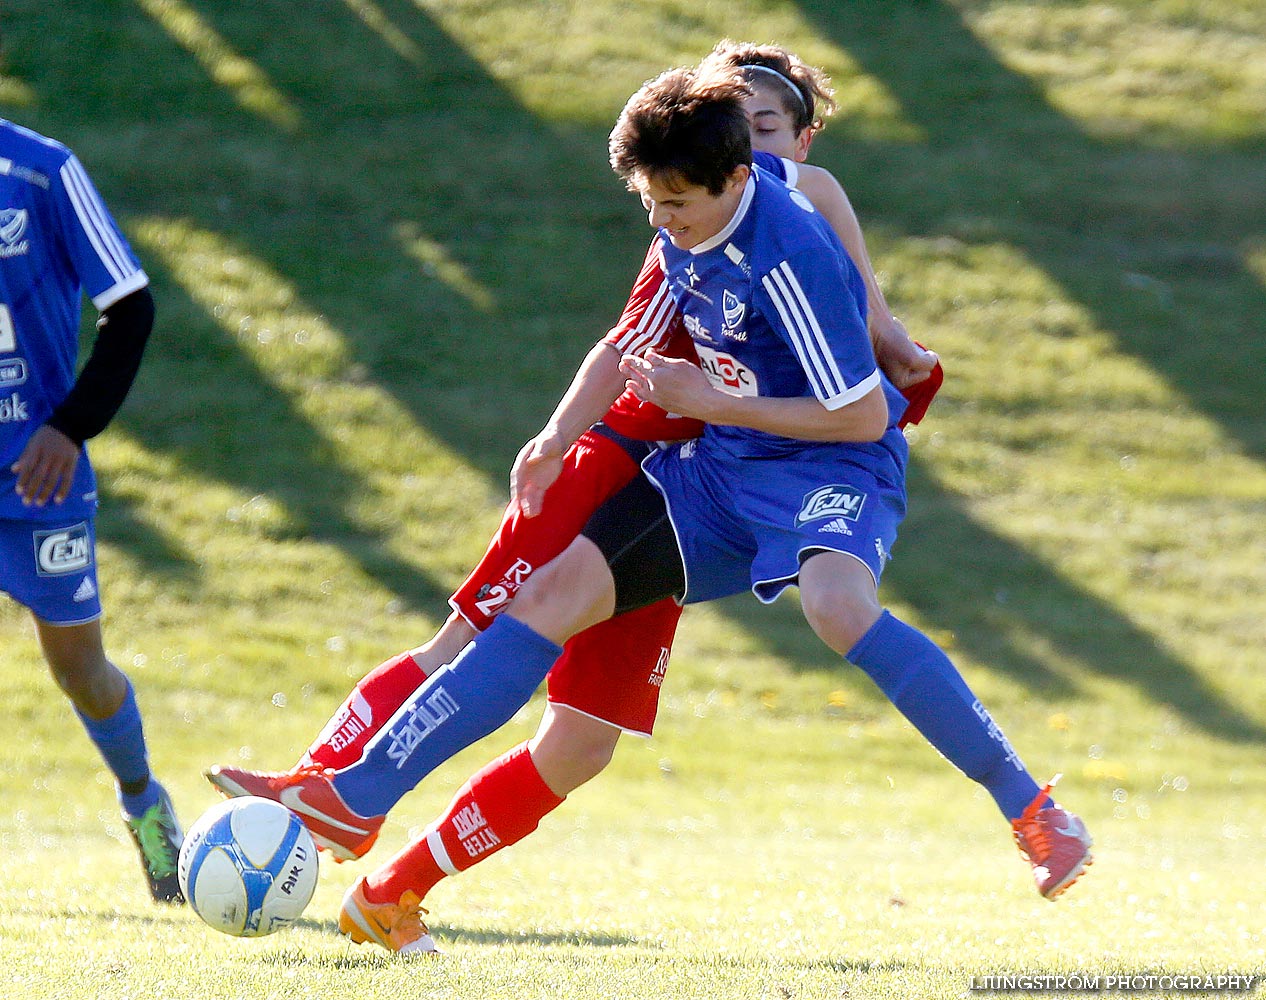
414 202
1144 236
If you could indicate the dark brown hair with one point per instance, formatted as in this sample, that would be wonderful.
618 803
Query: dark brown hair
684 127
811 84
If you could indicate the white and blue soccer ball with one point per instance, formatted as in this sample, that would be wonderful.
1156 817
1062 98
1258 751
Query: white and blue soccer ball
248 867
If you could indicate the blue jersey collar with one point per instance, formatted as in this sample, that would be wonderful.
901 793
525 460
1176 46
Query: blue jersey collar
749 192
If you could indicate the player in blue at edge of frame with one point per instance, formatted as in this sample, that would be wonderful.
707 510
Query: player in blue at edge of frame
798 478
58 240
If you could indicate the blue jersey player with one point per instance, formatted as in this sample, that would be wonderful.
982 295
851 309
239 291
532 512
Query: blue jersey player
798 479
58 242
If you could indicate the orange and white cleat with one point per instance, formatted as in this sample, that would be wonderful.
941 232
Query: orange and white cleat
1054 841
398 927
309 793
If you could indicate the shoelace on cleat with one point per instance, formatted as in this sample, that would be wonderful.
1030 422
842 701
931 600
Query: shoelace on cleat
153 834
1031 834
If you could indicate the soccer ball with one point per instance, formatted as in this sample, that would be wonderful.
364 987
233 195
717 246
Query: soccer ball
248 867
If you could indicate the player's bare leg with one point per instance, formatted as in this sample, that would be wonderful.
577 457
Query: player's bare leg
567 594
571 748
837 594
106 706
442 647
76 658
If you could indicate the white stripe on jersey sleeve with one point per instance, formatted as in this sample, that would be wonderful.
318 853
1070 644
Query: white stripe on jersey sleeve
802 324
95 221
652 326
127 286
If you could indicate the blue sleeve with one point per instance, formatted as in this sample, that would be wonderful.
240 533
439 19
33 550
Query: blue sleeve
103 261
811 301
772 163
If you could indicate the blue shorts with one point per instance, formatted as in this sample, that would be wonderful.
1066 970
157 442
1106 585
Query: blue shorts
749 522
51 567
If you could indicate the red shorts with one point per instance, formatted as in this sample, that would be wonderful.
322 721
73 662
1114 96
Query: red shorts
612 671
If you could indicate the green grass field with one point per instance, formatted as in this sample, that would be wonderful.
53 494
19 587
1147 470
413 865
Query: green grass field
351 213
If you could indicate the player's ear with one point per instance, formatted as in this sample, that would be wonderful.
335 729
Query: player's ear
803 140
738 176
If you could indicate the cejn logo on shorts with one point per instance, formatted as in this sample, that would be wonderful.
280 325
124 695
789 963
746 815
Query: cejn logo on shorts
831 501
62 550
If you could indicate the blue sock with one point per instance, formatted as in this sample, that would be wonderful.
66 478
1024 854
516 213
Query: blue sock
929 691
460 703
121 741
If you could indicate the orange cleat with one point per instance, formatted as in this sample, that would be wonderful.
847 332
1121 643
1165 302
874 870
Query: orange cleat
1055 842
397 927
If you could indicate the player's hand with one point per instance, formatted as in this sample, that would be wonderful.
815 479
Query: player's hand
902 360
538 464
46 467
675 385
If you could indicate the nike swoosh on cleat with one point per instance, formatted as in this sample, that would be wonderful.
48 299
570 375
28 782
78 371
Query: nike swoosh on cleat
1071 830
293 800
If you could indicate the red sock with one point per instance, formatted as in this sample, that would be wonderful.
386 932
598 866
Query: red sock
497 807
372 702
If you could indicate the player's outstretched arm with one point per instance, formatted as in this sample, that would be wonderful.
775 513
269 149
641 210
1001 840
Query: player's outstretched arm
903 361
594 388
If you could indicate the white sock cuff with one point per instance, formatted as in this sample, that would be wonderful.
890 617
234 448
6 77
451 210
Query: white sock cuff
439 852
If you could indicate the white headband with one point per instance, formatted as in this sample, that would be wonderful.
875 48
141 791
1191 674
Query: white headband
778 76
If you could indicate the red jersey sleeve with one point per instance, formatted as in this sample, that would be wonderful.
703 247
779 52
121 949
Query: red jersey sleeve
650 316
650 320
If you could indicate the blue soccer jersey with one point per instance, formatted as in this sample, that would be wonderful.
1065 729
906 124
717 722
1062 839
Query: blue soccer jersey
776 308
57 241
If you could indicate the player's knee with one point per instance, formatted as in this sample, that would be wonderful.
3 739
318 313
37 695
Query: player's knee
571 748
570 592
839 617
93 684
565 767
595 757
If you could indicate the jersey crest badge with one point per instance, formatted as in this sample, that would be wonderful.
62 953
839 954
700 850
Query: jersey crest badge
12 230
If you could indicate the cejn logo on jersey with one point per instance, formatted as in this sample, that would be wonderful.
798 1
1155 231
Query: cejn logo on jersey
726 372
12 229
62 551
834 501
